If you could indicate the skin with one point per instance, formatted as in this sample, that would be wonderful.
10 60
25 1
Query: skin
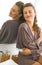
15 12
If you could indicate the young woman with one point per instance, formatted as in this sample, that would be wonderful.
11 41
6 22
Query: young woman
28 37
8 32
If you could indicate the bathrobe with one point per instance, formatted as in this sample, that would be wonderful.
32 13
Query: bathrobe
26 39
8 32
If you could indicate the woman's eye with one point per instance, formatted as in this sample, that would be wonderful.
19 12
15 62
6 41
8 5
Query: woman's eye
25 12
13 10
30 12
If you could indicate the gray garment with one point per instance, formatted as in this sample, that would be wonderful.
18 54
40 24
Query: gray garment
25 39
8 32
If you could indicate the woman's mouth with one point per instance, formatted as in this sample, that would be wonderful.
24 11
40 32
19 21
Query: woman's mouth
28 17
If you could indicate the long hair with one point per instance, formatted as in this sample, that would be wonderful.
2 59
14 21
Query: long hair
20 5
35 25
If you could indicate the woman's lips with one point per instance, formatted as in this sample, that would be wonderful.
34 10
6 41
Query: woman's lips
28 17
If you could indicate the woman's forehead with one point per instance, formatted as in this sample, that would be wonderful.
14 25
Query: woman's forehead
28 8
15 7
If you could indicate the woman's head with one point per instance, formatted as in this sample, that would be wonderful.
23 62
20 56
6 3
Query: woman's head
29 12
17 10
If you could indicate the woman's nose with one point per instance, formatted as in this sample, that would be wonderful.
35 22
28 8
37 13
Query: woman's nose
28 14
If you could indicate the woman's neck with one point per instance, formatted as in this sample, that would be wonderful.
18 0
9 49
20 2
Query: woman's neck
29 23
31 27
15 19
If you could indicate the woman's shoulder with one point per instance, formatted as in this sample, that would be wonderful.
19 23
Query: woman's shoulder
23 25
7 21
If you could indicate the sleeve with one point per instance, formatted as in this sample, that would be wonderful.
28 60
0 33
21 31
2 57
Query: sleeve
3 32
24 40
40 47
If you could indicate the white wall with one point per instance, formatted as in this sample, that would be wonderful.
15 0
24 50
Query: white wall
39 12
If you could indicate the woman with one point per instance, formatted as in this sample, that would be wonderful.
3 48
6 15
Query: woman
8 32
28 37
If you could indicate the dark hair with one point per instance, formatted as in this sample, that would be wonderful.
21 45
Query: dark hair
20 5
35 26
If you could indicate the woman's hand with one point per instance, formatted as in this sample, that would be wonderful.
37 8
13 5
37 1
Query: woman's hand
26 51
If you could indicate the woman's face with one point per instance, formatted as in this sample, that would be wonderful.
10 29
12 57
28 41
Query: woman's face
29 14
15 12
